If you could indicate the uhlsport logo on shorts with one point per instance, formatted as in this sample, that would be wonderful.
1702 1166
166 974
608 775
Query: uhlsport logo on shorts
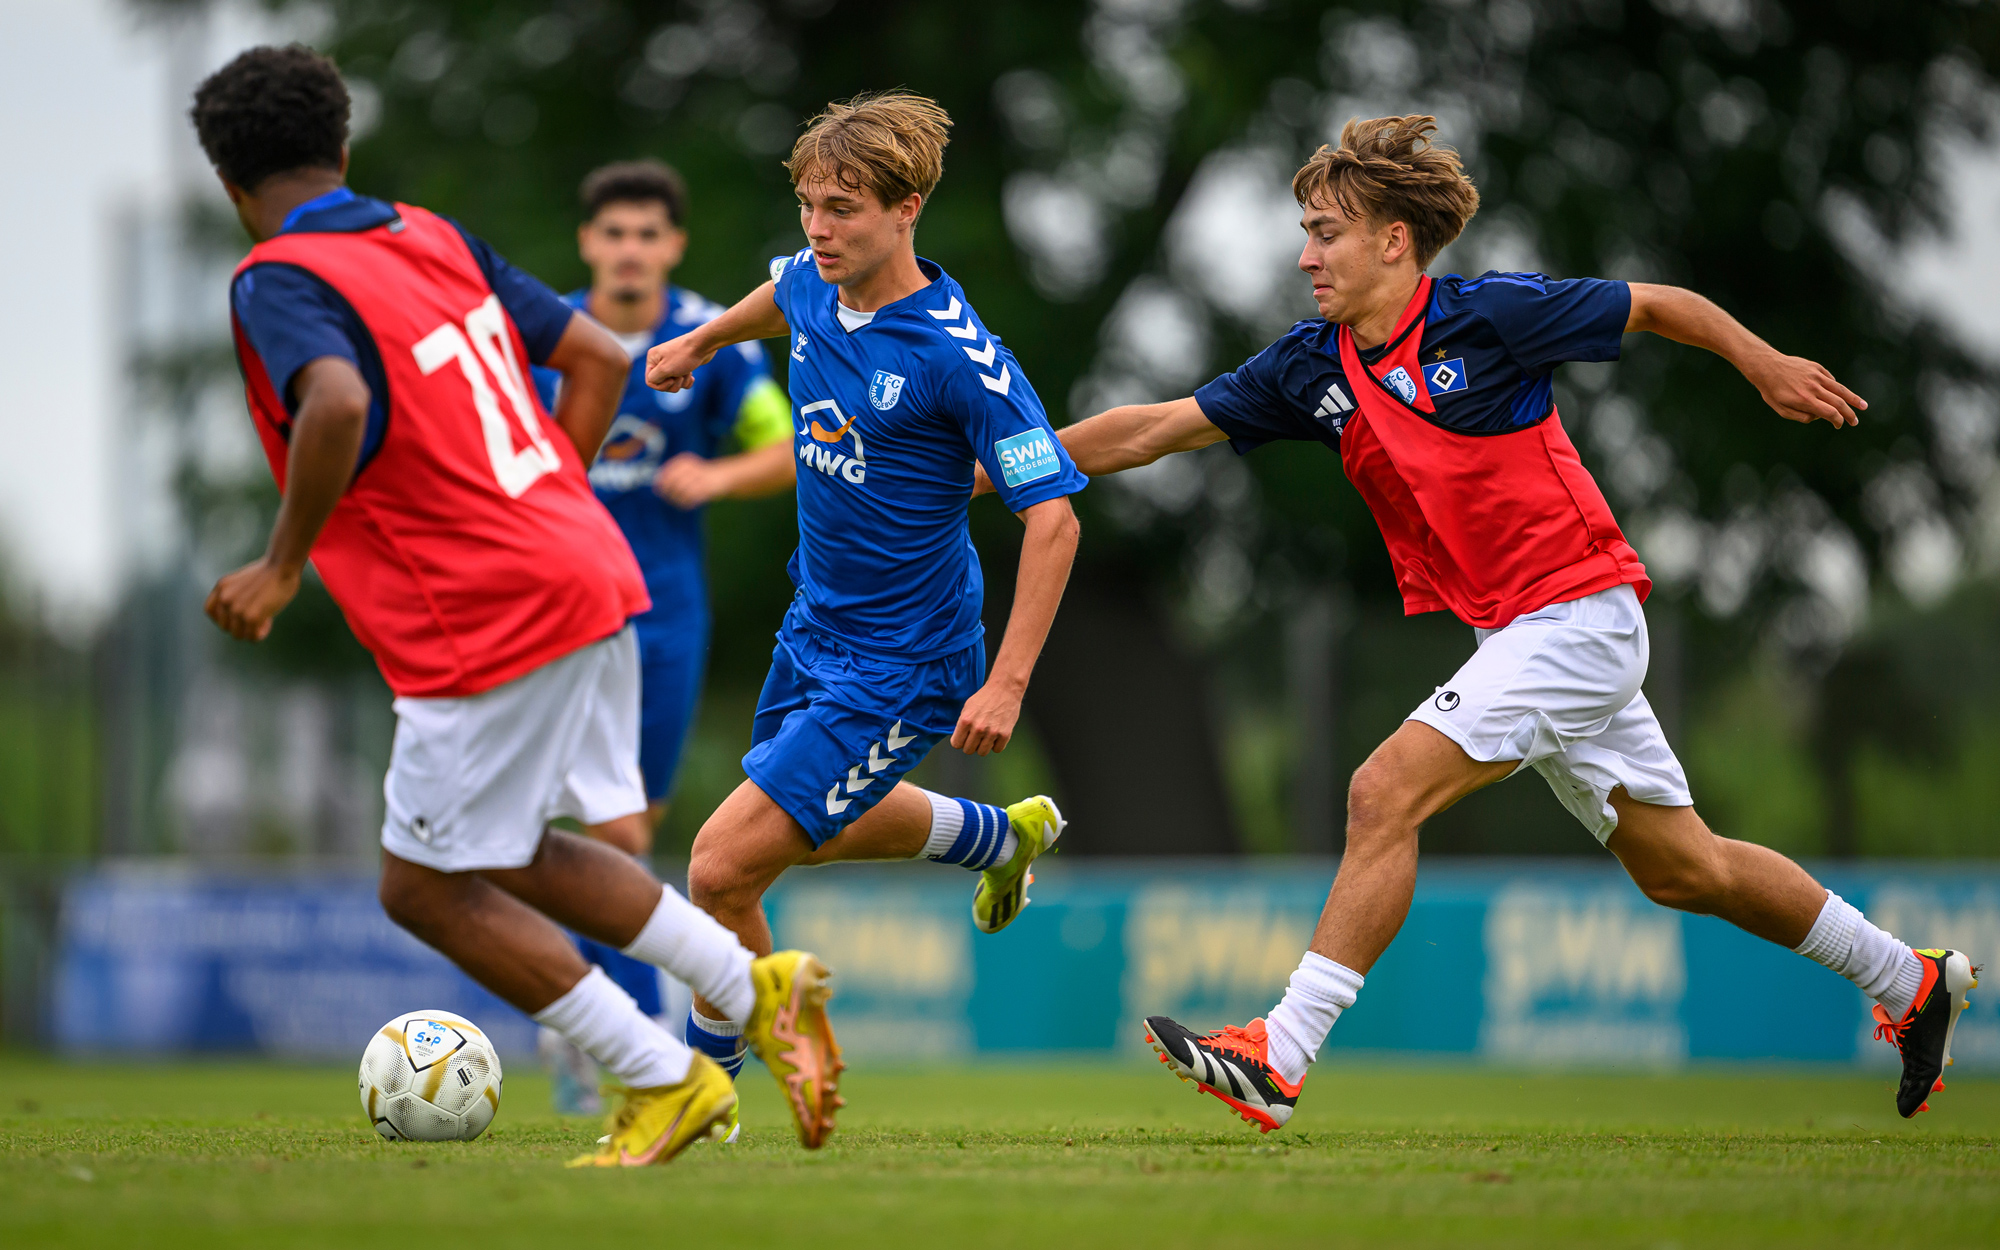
1447 700
1027 457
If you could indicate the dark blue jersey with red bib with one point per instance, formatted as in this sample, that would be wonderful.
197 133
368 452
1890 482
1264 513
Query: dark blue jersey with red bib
468 548
1450 433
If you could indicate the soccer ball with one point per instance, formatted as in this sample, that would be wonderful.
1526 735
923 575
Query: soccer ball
430 1076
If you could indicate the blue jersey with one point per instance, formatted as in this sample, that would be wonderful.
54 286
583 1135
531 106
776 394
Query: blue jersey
889 412
1487 356
652 427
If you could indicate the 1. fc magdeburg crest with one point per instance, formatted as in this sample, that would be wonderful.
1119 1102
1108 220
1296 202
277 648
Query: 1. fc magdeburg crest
885 390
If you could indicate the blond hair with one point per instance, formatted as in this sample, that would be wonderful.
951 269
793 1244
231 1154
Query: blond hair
1389 169
890 142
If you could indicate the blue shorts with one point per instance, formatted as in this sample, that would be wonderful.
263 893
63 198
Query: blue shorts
835 730
673 654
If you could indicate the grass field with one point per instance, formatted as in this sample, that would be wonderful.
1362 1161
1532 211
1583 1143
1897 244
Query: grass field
1042 1154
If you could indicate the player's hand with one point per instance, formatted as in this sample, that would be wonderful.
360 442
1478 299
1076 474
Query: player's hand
980 482
1804 391
986 723
688 481
244 602
670 365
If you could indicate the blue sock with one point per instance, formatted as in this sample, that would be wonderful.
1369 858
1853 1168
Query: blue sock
726 1048
972 835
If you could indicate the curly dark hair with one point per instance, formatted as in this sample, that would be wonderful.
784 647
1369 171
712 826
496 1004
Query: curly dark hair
635 182
271 111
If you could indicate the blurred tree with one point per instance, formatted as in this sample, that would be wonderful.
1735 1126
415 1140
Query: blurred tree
1116 200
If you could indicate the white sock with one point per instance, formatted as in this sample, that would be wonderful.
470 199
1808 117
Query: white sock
1314 998
721 1028
693 945
1885 969
608 1025
947 819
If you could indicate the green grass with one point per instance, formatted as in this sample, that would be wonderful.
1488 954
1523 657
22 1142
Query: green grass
1050 1154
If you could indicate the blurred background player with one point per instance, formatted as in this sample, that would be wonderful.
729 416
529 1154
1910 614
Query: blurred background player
1438 396
384 356
659 466
898 391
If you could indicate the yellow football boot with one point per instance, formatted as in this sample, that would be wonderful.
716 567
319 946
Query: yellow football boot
653 1125
729 1129
1003 889
789 1031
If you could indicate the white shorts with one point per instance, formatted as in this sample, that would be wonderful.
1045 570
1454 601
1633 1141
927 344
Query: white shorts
474 781
1559 689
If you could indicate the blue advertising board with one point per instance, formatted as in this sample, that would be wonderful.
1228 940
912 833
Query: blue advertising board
1522 962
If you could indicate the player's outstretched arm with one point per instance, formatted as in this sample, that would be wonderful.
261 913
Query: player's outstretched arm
986 724
1796 388
326 441
593 369
689 481
1127 437
671 365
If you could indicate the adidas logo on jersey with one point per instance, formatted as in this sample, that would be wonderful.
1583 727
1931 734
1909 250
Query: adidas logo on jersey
1333 403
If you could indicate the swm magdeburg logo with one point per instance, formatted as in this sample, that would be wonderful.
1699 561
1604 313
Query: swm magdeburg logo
832 442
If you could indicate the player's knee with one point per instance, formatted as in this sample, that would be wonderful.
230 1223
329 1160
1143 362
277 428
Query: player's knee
403 896
715 879
1697 883
1377 811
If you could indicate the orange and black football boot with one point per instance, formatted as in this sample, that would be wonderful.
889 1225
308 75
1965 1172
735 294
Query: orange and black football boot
1923 1035
1233 1063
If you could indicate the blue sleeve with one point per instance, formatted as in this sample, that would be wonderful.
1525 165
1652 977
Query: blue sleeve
537 312
783 269
1263 400
1009 432
1544 322
292 319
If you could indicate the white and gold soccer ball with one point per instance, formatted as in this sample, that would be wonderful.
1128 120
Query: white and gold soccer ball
430 1076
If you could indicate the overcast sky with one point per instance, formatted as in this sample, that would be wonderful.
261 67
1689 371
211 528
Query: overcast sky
81 97
89 129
